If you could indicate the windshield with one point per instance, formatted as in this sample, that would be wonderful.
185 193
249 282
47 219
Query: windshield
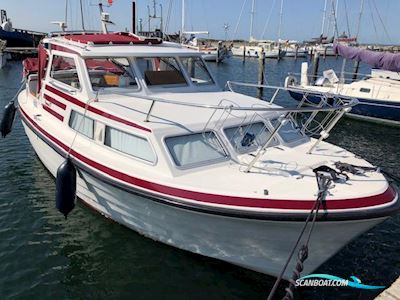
197 70
161 71
106 73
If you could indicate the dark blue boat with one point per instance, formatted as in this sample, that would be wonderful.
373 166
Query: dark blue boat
17 37
383 110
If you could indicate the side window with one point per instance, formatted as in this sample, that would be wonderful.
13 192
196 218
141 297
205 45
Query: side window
82 124
195 149
64 69
129 144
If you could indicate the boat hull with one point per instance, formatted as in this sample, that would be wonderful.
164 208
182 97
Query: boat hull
257 244
386 111
20 38
255 52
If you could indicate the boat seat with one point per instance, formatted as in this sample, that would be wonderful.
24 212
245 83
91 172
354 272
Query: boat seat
164 77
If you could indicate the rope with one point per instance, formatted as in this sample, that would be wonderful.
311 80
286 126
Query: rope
79 126
17 93
323 182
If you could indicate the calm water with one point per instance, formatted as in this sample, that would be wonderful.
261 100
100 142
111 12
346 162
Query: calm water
44 256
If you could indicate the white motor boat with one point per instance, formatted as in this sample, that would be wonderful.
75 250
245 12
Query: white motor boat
157 146
296 52
255 51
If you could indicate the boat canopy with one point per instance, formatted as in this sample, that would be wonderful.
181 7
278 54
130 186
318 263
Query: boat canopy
119 38
378 60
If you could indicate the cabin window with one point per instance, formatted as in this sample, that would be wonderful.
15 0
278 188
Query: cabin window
82 124
197 70
161 71
288 132
195 149
130 144
63 69
249 137
110 73
365 90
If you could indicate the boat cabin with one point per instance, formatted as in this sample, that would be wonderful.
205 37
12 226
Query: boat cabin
125 92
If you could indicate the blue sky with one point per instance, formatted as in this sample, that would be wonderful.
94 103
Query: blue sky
301 18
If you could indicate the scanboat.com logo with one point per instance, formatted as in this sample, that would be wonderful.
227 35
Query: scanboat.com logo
330 280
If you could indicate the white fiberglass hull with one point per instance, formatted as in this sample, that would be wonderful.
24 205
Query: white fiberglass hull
292 53
255 52
260 245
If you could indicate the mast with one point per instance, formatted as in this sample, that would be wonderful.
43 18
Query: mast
253 5
359 18
280 22
323 18
82 18
183 20
66 12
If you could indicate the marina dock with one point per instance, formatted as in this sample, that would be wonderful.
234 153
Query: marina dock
392 293
21 52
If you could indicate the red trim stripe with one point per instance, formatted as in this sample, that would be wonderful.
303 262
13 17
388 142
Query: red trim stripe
386 197
94 109
55 102
52 112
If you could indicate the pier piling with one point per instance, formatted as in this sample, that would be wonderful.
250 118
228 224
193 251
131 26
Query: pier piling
315 66
355 70
244 53
261 74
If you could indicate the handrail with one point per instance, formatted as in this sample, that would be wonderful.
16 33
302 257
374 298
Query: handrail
274 108
335 106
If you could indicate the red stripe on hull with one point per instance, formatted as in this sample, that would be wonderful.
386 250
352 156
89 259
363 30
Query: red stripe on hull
53 113
95 110
386 197
55 102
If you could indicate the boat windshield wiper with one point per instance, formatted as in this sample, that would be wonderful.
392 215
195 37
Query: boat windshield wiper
124 68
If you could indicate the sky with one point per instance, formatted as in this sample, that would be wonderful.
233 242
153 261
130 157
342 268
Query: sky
301 19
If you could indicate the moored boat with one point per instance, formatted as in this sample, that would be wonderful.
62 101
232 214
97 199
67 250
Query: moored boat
17 37
378 93
161 149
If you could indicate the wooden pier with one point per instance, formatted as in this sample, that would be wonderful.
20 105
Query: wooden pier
17 53
392 293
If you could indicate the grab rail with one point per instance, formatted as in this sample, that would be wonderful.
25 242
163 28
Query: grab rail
333 105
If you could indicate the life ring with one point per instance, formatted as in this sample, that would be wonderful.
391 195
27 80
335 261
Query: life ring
290 81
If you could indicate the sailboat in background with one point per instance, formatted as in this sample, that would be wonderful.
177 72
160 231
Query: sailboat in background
256 47
189 39
324 45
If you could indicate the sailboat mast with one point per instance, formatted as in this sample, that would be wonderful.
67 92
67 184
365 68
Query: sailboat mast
359 18
66 12
280 22
83 20
183 20
323 18
253 5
